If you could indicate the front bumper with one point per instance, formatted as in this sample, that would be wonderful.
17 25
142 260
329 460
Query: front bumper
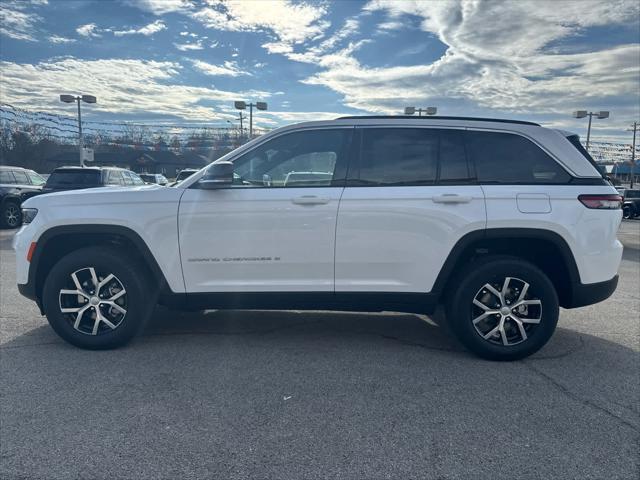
587 294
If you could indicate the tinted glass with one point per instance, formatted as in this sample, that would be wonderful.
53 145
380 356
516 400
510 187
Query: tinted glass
6 177
398 156
21 177
506 158
60 178
182 175
453 160
298 159
632 193
35 178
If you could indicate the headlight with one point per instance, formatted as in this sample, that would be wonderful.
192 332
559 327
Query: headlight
28 214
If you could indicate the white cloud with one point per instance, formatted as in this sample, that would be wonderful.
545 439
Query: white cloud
58 39
147 30
122 87
230 69
290 23
160 7
88 30
185 47
17 24
498 56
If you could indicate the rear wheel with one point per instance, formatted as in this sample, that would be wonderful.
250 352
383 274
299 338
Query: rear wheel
11 215
96 298
503 308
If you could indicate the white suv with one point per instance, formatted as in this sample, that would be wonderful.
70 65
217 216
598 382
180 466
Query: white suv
500 221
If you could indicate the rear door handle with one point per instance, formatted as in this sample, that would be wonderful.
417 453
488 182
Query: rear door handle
451 198
310 200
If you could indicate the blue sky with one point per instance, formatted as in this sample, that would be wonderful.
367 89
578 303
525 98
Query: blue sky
187 60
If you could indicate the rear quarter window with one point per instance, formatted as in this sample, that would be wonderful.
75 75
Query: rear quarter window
506 158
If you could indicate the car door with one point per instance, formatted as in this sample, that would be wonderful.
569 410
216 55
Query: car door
409 198
267 232
23 185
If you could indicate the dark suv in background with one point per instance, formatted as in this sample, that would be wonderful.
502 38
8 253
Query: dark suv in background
74 178
631 202
16 185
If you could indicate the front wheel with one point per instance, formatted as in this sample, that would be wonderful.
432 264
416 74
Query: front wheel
627 211
503 308
97 298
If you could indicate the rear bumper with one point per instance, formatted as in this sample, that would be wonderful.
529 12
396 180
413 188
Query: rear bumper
587 294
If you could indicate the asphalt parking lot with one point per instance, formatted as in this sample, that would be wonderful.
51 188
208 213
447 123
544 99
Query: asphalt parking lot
310 394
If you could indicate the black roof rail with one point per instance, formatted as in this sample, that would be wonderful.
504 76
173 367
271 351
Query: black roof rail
436 117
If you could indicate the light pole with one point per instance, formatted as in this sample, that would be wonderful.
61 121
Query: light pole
242 105
583 113
86 99
634 128
427 111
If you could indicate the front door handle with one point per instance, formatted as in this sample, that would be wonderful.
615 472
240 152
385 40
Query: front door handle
451 198
310 200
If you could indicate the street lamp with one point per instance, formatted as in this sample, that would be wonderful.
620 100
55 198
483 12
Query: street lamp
86 99
634 129
427 111
583 113
242 105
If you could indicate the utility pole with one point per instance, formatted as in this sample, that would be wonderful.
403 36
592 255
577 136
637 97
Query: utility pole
80 138
634 127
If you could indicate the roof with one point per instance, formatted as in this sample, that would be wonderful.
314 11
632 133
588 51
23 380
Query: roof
84 169
11 167
436 117
129 157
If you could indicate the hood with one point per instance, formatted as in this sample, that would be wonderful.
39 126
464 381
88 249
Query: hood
104 196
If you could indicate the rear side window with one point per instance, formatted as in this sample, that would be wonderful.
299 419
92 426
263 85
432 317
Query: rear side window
87 178
506 158
114 177
398 156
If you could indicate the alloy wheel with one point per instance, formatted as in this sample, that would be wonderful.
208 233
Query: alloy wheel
12 216
506 312
94 302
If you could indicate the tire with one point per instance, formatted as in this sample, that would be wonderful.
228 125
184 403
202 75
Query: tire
116 272
627 211
11 215
537 318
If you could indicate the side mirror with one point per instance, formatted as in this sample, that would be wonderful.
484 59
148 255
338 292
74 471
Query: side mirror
218 175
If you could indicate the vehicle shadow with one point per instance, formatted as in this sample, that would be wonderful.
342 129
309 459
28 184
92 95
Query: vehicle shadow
304 328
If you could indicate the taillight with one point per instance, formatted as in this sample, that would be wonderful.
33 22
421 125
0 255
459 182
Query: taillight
602 202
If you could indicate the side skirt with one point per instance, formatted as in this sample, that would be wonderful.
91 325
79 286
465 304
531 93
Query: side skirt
424 303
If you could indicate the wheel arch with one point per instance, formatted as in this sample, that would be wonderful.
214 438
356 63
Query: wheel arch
57 242
544 248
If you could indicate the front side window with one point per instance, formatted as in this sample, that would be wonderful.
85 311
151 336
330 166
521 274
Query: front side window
506 158
298 159
35 178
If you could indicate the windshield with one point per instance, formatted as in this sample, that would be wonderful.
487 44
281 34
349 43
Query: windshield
59 178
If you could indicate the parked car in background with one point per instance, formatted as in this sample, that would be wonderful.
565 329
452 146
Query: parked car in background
184 174
156 178
16 185
74 178
631 202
